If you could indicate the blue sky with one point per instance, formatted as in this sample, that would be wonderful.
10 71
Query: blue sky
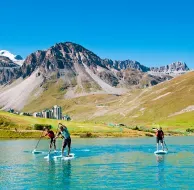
153 32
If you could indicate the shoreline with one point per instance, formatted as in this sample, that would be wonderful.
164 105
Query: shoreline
29 134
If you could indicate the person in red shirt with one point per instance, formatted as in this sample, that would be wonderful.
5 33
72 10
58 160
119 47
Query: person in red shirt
51 135
160 138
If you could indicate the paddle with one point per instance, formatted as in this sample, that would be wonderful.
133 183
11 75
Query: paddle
166 145
37 143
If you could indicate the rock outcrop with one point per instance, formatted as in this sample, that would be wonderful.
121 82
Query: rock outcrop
9 71
126 64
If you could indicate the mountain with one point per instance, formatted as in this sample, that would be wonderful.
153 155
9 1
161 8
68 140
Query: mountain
14 58
70 60
66 71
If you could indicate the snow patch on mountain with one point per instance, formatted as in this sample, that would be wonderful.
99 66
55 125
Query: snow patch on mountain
15 58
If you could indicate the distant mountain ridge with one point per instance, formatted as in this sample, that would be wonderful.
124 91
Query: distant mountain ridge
126 64
172 69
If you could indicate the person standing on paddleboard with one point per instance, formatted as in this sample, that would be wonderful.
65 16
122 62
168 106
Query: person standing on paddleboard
51 135
66 138
160 138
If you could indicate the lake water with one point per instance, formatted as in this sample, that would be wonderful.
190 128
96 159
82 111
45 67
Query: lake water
118 163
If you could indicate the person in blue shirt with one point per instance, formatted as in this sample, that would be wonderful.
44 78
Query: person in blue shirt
66 138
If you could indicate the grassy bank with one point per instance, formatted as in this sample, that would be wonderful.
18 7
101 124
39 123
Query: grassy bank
16 126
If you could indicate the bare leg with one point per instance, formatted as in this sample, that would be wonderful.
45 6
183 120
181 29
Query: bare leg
62 151
157 146
69 149
63 147
50 147
55 146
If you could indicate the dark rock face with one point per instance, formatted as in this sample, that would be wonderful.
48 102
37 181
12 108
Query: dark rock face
8 70
6 62
127 64
109 78
8 75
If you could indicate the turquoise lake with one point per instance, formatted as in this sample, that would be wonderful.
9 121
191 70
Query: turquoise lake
104 163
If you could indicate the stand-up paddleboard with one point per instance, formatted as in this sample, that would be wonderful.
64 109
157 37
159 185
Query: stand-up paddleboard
49 156
161 152
60 157
52 154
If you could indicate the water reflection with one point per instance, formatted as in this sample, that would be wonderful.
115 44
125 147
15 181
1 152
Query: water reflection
59 173
160 178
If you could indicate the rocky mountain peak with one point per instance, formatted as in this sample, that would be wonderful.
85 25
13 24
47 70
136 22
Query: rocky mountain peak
173 69
178 66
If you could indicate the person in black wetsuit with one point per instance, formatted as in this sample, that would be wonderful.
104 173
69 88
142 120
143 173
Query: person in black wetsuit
160 138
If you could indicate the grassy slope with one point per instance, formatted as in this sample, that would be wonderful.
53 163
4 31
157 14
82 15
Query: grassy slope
150 110
139 107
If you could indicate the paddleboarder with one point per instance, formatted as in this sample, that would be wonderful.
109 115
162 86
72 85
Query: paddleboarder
51 135
66 138
160 138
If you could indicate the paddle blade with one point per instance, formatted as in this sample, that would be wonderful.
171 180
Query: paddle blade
36 152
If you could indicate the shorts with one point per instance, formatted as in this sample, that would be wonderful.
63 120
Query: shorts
159 139
66 142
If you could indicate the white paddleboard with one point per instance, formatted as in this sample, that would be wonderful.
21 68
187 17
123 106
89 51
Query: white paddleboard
53 154
48 156
161 152
72 155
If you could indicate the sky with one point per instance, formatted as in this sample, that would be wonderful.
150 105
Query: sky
153 32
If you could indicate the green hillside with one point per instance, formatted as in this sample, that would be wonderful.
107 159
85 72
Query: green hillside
170 104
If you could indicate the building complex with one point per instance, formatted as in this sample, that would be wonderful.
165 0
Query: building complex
54 113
